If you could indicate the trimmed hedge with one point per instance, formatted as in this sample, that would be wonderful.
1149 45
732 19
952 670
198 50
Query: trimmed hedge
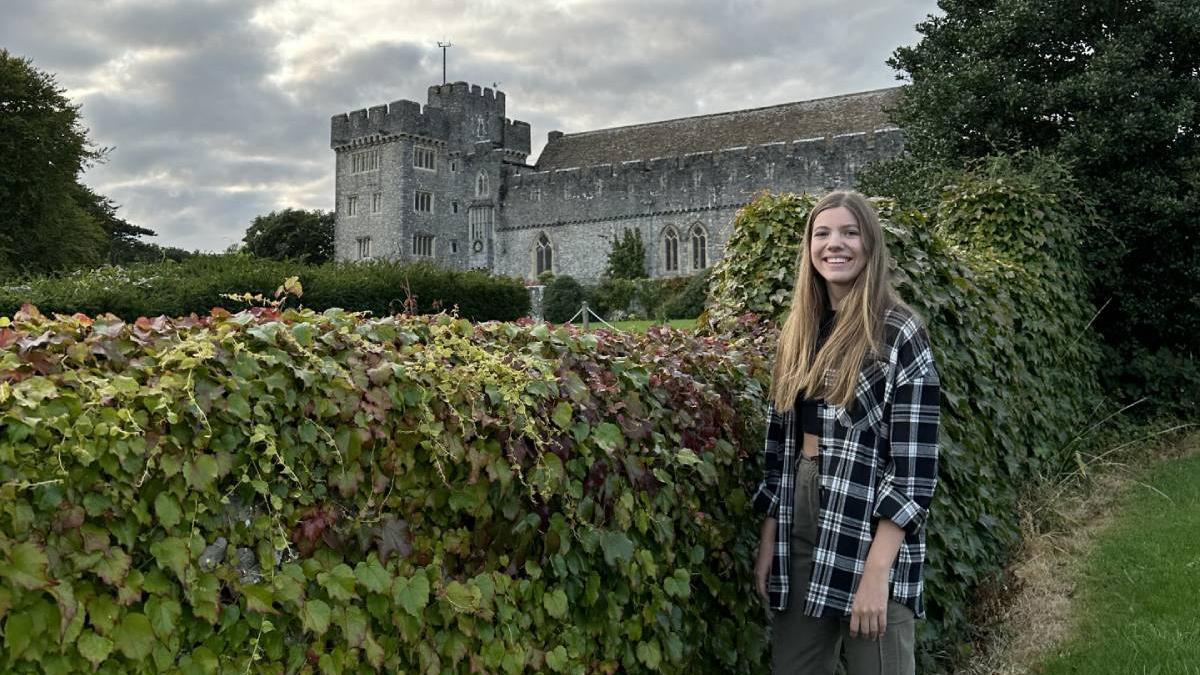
196 285
996 273
289 491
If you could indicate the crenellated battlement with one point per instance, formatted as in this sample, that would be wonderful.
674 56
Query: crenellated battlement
397 117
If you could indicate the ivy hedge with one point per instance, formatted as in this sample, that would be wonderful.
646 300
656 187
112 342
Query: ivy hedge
197 284
995 271
280 490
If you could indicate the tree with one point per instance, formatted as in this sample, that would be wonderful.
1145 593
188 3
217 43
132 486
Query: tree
1113 88
627 259
49 220
292 234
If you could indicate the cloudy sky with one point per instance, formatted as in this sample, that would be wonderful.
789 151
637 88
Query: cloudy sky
218 110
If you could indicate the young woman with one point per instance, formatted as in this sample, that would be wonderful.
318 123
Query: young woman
851 456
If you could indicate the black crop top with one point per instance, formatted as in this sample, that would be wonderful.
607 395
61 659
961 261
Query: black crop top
810 421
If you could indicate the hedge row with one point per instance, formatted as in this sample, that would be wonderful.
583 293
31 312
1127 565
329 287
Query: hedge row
196 285
621 299
290 491
995 271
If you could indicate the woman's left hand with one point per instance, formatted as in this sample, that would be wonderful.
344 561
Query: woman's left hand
868 615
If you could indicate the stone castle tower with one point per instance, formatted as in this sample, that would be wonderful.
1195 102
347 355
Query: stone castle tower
449 181
417 182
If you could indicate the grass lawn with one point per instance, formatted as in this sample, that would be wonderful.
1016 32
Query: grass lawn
1138 602
641 326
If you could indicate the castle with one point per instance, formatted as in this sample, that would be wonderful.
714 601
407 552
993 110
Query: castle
449 181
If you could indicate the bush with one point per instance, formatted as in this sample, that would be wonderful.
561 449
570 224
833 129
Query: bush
612 295
197 284
290 491
562 299
995 270
689 302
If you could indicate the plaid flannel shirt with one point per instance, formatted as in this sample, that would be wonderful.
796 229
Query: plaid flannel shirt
878 460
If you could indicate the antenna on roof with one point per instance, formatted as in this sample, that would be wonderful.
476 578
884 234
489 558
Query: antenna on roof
444 46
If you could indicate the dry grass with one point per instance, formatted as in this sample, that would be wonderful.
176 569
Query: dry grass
1057 531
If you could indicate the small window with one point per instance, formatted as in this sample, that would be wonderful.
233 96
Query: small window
422 245
545 259
454 206
364 248
481 185
424 158
699 248
368 160
376 202
352 205
454 166
454 246
423 202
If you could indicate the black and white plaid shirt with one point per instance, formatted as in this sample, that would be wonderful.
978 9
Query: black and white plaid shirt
878 460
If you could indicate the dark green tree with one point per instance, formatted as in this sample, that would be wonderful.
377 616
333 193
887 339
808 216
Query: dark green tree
1112 88
49 221
627 259
292 234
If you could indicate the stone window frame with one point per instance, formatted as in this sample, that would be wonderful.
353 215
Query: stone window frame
376 202
542 254
422 201
364 247
422 245
699 252
364 161
352 205
670 249
480 219
483 184
424 158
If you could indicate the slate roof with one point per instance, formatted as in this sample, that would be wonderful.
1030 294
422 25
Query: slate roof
848 113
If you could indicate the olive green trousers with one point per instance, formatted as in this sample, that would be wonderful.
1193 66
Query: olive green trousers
804 645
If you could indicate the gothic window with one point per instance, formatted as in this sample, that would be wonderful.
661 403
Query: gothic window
376 202
480 220
352 205
422 245
545 255
423 202
424 158
481 130
364 248
671 250
481 184
699 247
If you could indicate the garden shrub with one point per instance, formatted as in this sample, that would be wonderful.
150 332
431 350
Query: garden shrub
612 295
198 284
689 302
562 299
286 491
995 271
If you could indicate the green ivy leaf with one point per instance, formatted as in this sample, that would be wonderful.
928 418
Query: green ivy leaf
163 613
26 566
649 654
354 627
616 547
259 598
372 575
462 598
18 634
134 636
172 553
556 659
94 648
315 616
338 582
555 603
113 567
201 472
562 414
167 508
411 594
608 436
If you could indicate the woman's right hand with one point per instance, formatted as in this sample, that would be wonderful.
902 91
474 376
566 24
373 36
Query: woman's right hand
766 554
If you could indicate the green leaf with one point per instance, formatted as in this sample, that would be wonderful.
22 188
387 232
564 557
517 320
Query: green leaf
172 553
314 615
167 508
462 598
372 575
562 414
113 567
411 594
201 472
649 654
616 547
557 659
163 613
555 603
134 636
236 403
354 626
18 634
259 598
338 582
26 566
608 436
94 648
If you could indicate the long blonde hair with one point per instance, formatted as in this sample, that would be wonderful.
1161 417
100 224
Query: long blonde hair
858 330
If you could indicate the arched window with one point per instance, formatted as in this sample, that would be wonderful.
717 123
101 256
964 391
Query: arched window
545 254
481 184
699 247
671 250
